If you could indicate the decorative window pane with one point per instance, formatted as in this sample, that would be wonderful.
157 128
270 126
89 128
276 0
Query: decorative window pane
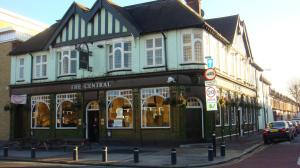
193 102
127 46
187 53
119 112
154 52
158 56
187 38
40 111
68 62
44 70
73 66
21 68
66 114
197 48
150 57
119 55
38 59
73 54
65 65
127 60
149 43
158 42
155 110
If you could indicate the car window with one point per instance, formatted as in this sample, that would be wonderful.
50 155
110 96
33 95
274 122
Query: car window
277 125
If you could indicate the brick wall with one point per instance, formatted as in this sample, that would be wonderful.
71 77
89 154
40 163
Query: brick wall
5 48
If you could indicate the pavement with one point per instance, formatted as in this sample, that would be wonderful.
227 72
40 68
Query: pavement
189 155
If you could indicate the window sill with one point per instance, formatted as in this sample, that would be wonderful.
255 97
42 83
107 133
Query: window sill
63 76
119 70
66 128
36 79
153 67
40 128
156 127
20 81
119 128
192 63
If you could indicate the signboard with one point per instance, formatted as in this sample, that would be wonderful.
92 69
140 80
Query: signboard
83 59
210 83
210 74
91 85
211 98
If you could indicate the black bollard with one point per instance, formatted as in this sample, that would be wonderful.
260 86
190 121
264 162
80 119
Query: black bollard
33 153
136 155
75 153
210 153
173 157
214 144
222 149
5 151
104 154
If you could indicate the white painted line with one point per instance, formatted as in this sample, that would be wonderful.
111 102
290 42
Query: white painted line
298 162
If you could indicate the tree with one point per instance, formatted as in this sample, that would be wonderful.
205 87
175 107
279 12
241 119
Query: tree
294 89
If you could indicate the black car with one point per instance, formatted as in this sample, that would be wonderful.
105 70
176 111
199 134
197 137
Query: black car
277 130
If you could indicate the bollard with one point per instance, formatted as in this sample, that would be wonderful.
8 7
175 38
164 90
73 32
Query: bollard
104 154
214 144
136 155
75 153
173 157
210 153
222 149
33 153
5 151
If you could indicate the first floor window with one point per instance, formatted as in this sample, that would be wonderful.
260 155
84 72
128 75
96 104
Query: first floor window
120 110
154 51
155 110
40 66
67 115
40 111
119 55
21 67
192 47
67 62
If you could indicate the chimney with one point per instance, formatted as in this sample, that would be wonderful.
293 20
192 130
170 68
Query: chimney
195 5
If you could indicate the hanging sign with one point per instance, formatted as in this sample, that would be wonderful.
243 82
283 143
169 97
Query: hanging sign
18 99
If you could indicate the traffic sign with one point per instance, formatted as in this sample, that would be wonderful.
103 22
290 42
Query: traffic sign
210 74
211 98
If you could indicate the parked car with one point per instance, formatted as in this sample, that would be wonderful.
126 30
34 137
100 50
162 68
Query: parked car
278 130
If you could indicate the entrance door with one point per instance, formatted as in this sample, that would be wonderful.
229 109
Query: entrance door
194 119
19 123
92 122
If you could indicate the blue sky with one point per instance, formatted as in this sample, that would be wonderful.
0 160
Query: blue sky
273 27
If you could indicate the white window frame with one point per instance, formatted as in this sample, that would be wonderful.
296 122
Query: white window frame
111 95
39 99
21 73
41 67
192 45
70 59
123 52
163 92
60 98
153 49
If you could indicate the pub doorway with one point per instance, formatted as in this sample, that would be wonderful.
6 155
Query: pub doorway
92 121
19 122
194 119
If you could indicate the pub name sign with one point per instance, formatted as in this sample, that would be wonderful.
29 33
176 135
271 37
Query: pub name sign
90 85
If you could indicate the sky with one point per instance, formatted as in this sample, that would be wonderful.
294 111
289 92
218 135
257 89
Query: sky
273 28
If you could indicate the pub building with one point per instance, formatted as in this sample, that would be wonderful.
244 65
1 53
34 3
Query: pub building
134 74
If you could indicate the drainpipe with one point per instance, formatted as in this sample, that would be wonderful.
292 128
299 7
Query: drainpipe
165 50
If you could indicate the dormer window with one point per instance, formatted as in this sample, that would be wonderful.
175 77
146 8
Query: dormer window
154 52
192 47
40 66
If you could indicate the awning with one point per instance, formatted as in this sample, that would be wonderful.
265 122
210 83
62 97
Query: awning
18 99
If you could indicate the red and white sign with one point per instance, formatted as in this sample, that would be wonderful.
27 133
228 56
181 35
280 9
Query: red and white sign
210 74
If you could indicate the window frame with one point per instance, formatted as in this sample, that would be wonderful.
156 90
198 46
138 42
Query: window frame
41 66
163 92
153 49
19 67
123 52
194 39
34 101
60 59
60 99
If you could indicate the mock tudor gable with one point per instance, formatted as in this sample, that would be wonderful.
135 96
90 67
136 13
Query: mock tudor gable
103 21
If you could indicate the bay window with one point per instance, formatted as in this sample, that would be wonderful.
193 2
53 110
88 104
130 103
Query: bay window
119 56
40 66
67 61
154 52
192 48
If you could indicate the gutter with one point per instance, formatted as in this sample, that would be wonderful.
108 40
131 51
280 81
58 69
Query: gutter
165 50
31 69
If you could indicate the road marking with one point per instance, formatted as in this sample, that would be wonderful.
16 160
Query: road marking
298 163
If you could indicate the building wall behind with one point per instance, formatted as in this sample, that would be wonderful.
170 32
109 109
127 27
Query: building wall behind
5 48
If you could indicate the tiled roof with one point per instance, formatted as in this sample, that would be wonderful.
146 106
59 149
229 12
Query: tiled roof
225 25
35 43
